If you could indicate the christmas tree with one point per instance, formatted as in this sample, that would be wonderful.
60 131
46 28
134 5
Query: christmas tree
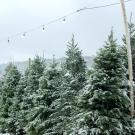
104 103
73 80
10 81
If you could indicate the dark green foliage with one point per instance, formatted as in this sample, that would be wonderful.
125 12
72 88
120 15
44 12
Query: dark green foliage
41 121
104 103
34 72
30 86
73 80
1 83
10 81
19 104
21 132
75 64
70 100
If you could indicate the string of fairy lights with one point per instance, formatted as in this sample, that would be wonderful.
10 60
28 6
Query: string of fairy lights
63 19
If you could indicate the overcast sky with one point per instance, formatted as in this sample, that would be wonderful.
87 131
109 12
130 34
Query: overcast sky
90 27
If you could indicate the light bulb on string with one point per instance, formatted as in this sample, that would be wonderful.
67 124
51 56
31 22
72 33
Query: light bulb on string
8 40
64 20
23 35
43 28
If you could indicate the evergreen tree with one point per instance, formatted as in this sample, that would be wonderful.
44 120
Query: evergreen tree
41 121
73 80
18 104
32 75
35 71
104 104
75 64
10 81
1 83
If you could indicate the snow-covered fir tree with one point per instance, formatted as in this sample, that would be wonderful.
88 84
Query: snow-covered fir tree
10 81
73 80
104 104
1 83
75 64
18 105
32 75
41 119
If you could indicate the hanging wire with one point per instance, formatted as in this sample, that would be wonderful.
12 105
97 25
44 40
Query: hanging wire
63 18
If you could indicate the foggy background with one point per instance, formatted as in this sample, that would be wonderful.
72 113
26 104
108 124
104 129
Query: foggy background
90 27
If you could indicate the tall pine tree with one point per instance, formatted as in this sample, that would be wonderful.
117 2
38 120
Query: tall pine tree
18 104
41 120
104 103
75 64
73 80
32 75
10 81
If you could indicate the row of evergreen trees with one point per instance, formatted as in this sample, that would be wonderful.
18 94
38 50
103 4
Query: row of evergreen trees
70 100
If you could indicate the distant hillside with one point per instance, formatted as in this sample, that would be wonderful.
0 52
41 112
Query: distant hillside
24 64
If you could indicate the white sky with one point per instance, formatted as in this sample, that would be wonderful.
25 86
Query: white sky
90 27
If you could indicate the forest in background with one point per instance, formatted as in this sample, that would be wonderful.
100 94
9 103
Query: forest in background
23 65
72 99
